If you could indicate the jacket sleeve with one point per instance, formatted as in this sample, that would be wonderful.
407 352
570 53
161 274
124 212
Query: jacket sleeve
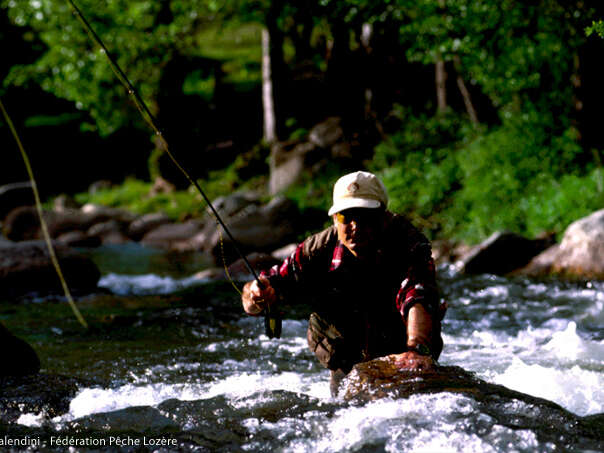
419 282
309 258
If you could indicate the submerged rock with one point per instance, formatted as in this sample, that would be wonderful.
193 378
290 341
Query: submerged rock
26 267
45 394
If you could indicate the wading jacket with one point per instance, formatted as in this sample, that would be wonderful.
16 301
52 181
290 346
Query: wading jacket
363 303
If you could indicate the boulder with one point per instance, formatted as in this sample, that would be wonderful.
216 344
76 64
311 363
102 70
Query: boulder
380 378
327 133
109 232
581 250
26 267
98 213
23 223
541 265
173 236
15 195
287 164
259 229
142 225
17 358
235 203
502 253
78 239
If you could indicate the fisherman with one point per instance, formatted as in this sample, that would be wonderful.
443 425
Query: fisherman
370 279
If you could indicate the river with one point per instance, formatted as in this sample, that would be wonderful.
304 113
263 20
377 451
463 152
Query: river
175 360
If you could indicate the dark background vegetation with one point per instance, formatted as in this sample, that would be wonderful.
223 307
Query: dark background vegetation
511 140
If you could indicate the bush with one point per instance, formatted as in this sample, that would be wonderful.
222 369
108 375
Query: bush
520 176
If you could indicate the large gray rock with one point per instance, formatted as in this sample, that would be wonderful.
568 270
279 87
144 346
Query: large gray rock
381 378
260 229
581 251
26 267
142 225
288 162
579 255
502 253
174 236
23 223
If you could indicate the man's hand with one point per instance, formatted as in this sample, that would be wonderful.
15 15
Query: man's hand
256 299
412 361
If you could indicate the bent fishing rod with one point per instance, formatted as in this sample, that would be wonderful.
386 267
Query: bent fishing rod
272 320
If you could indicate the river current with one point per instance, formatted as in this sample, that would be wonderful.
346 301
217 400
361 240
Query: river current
226 386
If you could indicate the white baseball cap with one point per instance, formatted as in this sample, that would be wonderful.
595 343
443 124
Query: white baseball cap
360 189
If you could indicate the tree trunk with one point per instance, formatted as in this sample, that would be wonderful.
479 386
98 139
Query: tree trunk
268 104
465 94
441 77
441 88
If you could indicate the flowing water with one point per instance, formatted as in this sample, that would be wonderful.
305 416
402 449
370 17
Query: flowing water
192 369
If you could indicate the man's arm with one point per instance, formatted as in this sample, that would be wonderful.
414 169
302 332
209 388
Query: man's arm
418 303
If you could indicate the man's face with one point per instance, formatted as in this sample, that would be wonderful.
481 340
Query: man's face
358 228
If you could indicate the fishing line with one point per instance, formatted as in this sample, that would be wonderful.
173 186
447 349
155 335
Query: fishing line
271 319
51 251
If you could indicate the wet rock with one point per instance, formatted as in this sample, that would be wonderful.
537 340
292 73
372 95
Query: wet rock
231 205
144 224
17 358
26 267
23 223
39 393
259 262
14 195
380 378
171 236
109 232
79 239
97 213
259 229
502 253
138 419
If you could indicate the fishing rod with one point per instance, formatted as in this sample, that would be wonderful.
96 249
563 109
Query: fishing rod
51 251
272 320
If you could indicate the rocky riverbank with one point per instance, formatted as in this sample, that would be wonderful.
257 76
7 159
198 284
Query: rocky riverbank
266 230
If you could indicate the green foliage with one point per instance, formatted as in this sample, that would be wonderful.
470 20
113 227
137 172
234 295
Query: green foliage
514 177
596 27
134 195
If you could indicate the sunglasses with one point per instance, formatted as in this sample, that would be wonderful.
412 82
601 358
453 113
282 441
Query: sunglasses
363 216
